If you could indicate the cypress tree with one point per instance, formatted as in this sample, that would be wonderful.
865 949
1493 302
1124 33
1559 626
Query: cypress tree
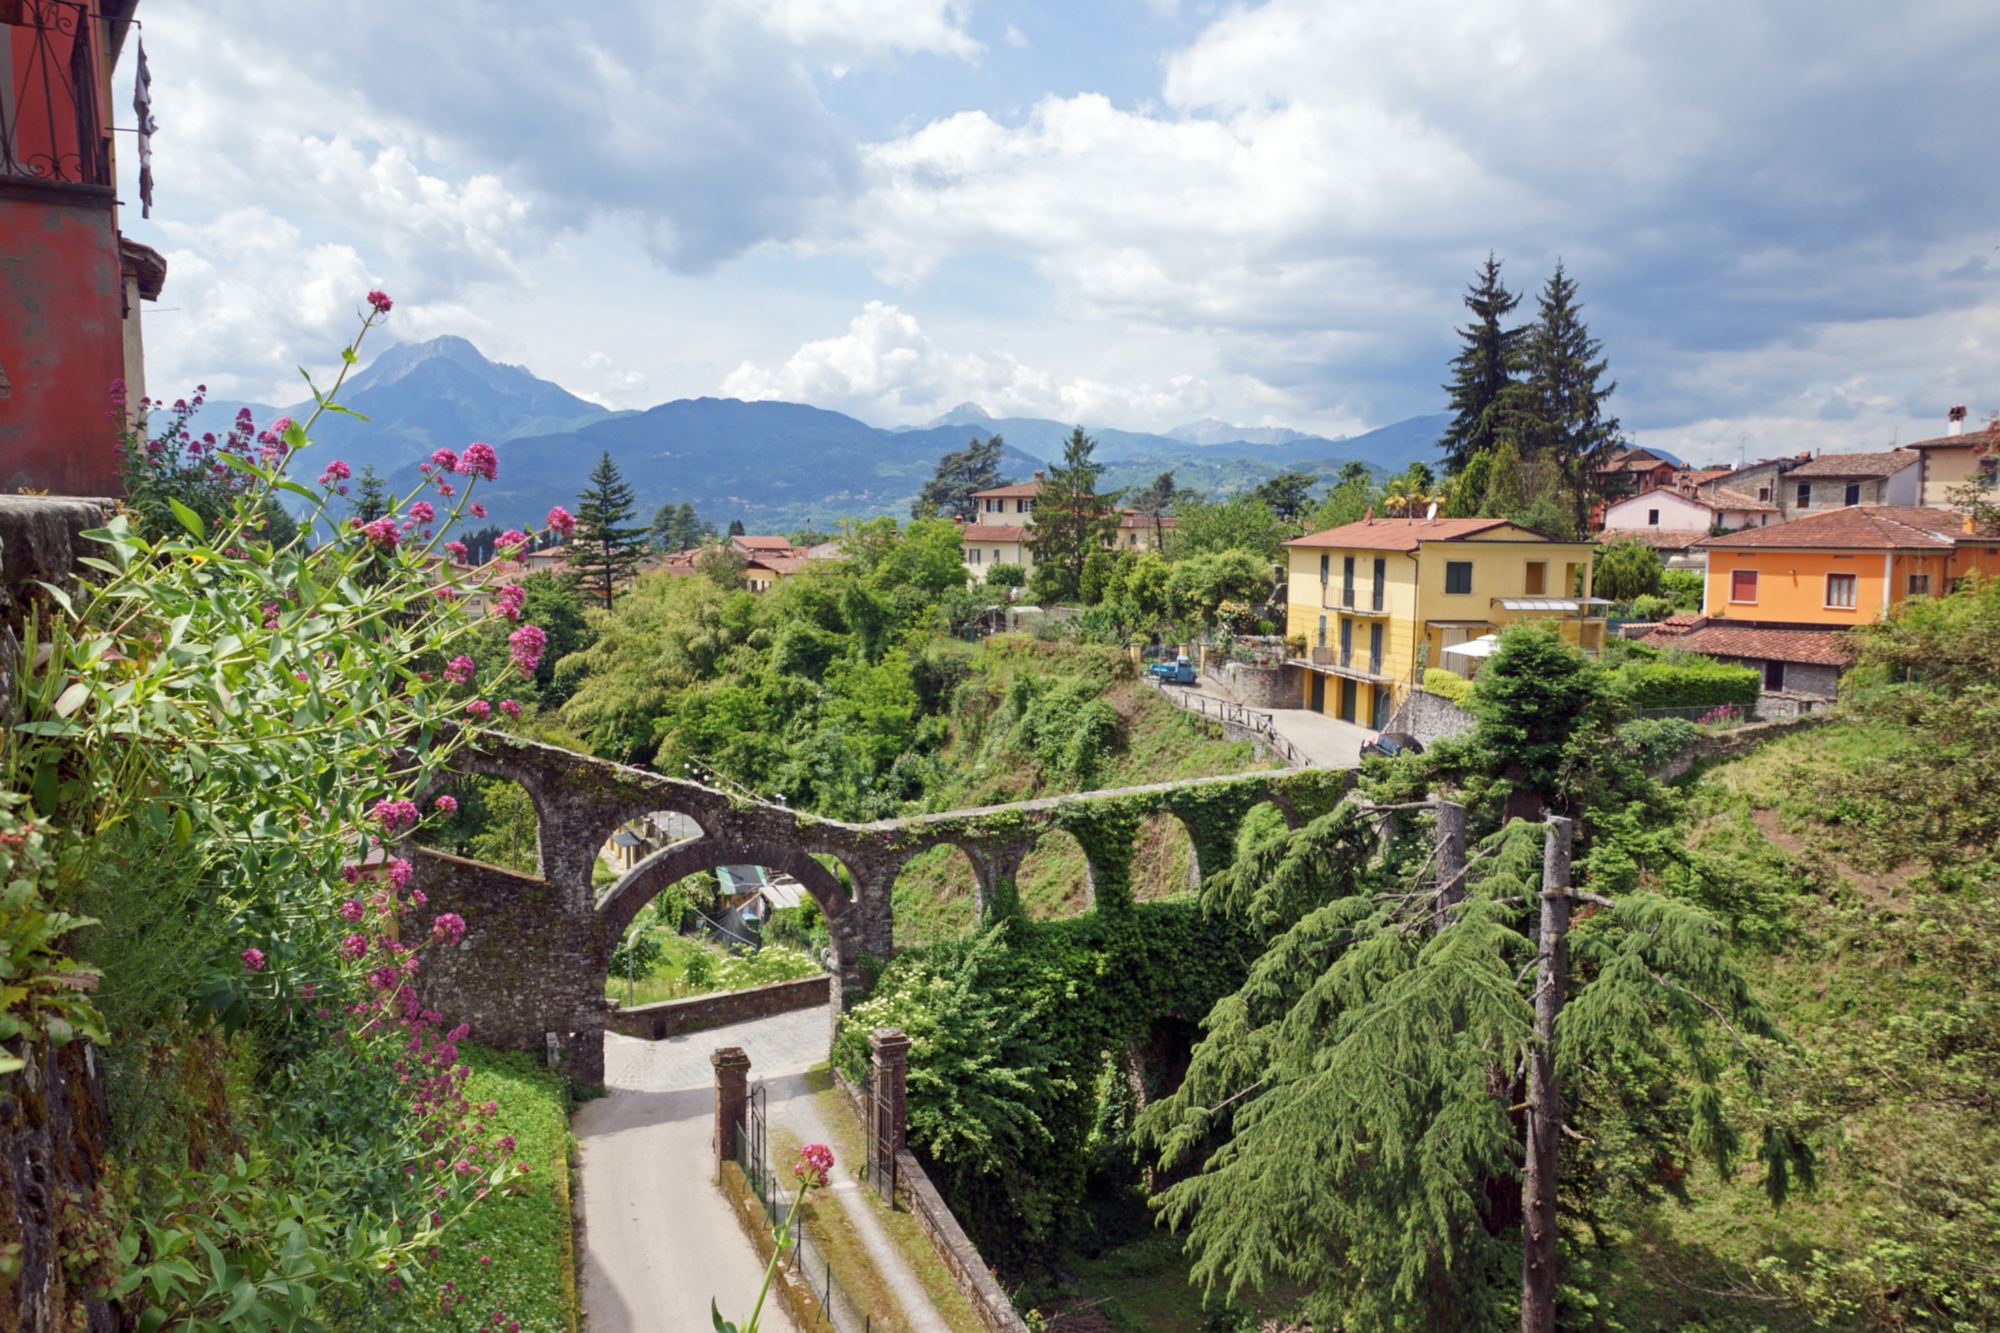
1561 410
1483 384
602 550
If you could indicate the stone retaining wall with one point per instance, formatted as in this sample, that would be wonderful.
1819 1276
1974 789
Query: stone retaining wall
1265 687
960 1256
1430 717
656 1022
1736 741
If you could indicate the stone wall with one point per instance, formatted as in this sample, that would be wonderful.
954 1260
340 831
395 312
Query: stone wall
656 1022
960 1256
1430 717
1265 687
524 969
1736 741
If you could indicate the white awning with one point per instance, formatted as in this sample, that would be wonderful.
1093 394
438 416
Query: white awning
1548 603
1482 646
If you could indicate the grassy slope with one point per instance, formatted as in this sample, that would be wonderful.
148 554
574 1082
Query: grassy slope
526 1235
1892 990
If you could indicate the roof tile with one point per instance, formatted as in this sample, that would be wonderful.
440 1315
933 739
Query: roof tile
1400 534
1855 465
1855 528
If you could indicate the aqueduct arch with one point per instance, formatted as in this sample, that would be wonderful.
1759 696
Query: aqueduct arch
529 972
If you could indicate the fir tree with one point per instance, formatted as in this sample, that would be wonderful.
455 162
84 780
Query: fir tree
371 495
1561 404
1071 518
1381 1110
736 527
1484 380
602 551
948 494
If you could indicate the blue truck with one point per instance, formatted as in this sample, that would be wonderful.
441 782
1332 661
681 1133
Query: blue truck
1180 671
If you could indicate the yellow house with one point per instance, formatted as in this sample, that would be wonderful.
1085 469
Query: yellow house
1379 601
1954 460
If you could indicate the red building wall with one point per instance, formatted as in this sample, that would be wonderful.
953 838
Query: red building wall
61 343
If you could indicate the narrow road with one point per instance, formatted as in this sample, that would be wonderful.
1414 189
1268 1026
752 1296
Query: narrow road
659 1239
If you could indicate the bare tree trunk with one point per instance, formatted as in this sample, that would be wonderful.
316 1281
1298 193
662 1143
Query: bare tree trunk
1450 861
1545 1111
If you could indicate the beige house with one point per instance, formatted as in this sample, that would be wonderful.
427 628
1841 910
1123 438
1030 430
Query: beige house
1000 535
1954 460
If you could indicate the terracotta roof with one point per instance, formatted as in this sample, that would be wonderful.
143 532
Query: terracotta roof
1660 539
1854 465
1701 476
1402 534
1023 490
777 564
1970 440
1130 518
991 532
1814 646
775 545
1722 498
1855 528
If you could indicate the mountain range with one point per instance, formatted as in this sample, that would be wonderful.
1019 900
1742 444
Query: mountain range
776 466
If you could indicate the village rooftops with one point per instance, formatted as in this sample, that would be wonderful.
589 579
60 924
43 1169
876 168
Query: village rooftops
1856 528
1406 534
1024 490
1770 643
1843 466
991 532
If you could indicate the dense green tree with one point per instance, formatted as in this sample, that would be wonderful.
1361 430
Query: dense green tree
1506 490
1466 492
1155 502
1352 494
603 552
1199 585
1289 494
735 527
1484 379
1626 569
371 495
1071 518
1240 523
948 494
1561 404
676 527
927 555
554 602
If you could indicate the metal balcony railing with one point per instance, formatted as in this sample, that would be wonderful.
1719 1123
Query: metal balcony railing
49 124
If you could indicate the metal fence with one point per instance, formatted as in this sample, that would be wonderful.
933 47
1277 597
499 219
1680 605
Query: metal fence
837 1307
1713 715
1223 710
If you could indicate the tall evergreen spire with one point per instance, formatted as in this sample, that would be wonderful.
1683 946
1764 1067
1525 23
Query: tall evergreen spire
1483 382
1562 403
602 550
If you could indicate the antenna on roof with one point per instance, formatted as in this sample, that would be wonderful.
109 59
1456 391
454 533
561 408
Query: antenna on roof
1432 512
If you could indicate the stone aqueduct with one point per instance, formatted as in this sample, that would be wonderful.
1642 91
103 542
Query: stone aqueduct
530 970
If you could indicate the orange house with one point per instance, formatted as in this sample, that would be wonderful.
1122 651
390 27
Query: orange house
1842 567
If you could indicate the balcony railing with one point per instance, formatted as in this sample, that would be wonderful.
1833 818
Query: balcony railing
49 126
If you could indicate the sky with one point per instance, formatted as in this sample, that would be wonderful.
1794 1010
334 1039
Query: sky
1784 216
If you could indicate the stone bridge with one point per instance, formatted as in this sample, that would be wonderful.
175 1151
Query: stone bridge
530 972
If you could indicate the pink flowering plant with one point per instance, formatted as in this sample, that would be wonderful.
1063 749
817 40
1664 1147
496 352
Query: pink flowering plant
813 1170
274 715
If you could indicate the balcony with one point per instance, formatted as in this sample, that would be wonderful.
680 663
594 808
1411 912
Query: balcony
50 132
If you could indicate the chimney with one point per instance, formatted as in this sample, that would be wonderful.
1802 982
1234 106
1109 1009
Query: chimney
1957 418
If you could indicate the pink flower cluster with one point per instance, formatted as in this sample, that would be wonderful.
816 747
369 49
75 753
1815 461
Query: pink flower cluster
479 460
382 532
460 670
379 302
815 1165
335 471
509 544
421 512
509 599
478 710
395 816
511 709
253 960
458 551
448 804
448 928
561 520
525 647
444 460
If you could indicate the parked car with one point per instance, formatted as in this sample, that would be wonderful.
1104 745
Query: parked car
1389 744
1180 671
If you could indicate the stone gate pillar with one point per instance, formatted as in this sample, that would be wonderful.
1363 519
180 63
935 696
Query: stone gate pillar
732 1095
888 1125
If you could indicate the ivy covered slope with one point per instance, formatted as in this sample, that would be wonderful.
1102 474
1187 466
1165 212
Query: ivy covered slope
225 723
1855 869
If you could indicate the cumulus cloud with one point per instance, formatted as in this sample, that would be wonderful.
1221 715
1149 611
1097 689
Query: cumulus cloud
1720 176
885 368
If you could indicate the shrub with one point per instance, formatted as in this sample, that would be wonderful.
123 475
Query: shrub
1656 740
1447 685
1697 684
1684 586
1006 576
1626 569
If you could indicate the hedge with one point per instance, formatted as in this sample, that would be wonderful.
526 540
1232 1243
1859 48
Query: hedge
1696 685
